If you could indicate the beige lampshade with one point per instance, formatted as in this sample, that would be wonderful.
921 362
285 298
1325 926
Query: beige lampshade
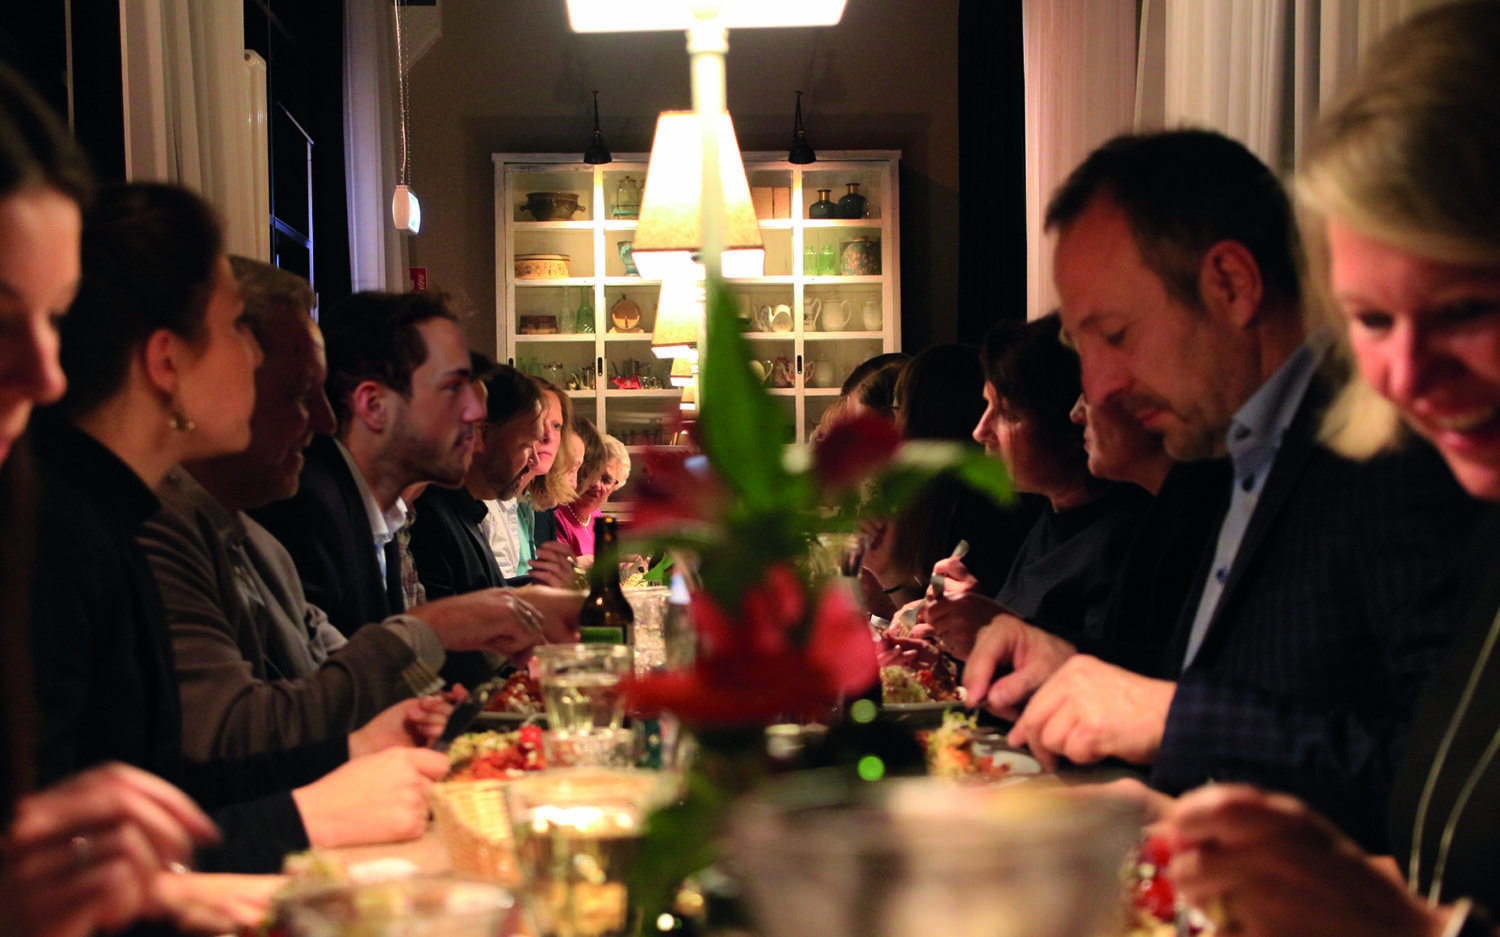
683 372
670 226
679 318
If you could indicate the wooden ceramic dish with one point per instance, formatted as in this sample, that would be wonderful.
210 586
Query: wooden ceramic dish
541 266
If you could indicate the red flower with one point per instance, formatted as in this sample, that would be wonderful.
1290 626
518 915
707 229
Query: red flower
854 449
674 492
750 672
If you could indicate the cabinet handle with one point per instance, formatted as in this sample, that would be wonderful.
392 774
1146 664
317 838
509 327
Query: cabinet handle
799 364
599 367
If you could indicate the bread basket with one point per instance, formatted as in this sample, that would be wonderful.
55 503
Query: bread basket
473 825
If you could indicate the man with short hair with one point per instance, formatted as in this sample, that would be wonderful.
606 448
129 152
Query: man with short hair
398 381
452 553
260 668
1324 595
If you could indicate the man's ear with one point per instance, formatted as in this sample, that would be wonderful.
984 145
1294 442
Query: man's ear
1229 282
367 405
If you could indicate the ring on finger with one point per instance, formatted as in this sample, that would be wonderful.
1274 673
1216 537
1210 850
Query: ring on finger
83 852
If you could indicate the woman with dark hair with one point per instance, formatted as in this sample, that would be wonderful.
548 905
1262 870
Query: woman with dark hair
939 396
161 367
1063 574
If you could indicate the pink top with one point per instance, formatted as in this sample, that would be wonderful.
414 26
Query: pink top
575 533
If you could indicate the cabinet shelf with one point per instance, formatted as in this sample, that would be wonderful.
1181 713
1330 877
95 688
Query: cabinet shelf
593 241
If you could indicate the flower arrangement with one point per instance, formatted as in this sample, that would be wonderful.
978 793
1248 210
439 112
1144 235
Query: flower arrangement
778 639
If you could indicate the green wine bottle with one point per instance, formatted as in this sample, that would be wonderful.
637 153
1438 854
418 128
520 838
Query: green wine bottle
606 617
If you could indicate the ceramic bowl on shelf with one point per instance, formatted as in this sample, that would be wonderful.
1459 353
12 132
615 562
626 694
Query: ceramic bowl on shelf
541 266
552 206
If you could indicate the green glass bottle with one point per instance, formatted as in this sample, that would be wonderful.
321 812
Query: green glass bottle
606 617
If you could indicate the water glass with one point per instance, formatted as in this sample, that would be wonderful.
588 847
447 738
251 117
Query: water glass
649 603
576 833
421 906
926 856
581 685
615 748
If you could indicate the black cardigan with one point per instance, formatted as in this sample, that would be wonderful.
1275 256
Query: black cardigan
105 686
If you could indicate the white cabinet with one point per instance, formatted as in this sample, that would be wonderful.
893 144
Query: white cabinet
822 307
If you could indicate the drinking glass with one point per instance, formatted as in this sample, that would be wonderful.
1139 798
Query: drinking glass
927 856
650 605
581 685
421 906
828 263
576 832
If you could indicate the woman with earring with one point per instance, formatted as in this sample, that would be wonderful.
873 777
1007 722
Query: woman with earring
160 369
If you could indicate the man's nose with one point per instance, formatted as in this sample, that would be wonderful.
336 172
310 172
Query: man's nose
1103 377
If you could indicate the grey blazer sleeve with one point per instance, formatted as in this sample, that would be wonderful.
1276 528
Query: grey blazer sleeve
236 701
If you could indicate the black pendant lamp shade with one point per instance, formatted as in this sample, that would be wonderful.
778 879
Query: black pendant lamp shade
597 153
802 151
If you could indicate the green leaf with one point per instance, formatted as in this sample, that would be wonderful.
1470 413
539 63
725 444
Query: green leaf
740 426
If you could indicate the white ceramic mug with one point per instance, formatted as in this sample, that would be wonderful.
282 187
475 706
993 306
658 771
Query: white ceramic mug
870 315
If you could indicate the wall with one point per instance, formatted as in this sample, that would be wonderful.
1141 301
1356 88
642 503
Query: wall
509 76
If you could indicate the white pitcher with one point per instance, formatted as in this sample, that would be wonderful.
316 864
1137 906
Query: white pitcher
838 314
869 315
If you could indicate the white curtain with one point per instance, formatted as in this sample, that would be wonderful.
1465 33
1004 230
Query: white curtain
1257 70
377 251
190 98
1080 91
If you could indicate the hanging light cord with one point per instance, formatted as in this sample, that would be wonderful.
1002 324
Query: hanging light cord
401 84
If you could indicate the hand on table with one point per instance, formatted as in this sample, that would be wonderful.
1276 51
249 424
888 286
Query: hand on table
1032 655
1089 710
553 565
380 798
505 621
413 722
84 855
1275 868
217 904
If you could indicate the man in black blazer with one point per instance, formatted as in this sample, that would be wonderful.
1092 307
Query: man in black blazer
399 383
1325 595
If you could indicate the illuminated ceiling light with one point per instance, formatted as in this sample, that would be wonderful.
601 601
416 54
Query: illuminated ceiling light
610 16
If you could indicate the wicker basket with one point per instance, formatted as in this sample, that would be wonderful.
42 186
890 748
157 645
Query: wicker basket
474 827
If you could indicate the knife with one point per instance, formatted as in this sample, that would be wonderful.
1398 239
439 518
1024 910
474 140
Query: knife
465 713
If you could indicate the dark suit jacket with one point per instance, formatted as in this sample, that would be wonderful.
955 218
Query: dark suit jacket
104 682
325 529
1173 541
452 555
452 558
1338 603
